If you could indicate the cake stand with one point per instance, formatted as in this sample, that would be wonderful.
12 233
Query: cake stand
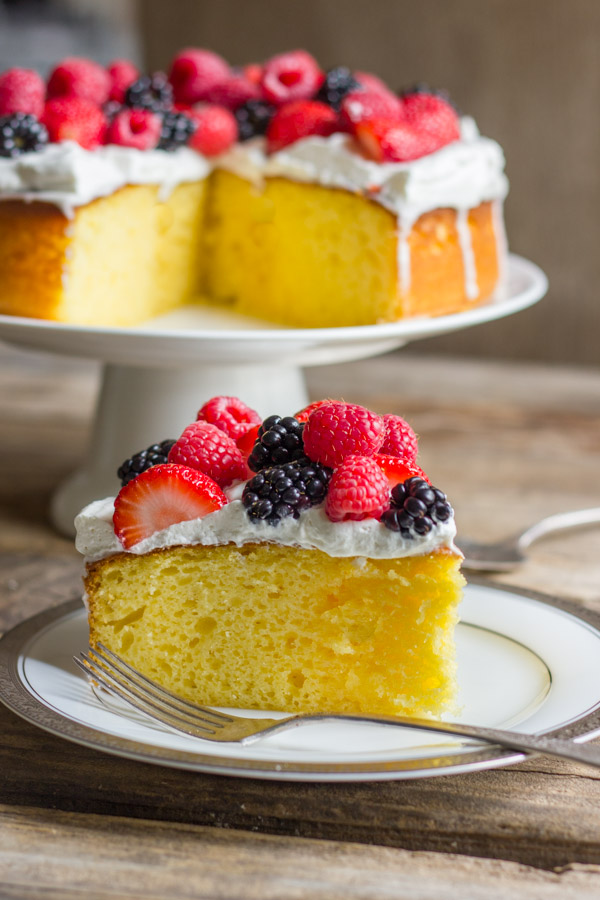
158 374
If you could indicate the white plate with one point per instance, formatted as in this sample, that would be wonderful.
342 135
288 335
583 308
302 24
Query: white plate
203 335
525 662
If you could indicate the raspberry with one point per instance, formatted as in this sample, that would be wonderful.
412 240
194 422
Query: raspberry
205 447
388 140
21 90
163 495
291 76
359 106
358 490
337 430
233 91
400 440
230 415
75 119
397 470
77 77
216 129
137 128
194 72
122 74
433 117
303 414
415 508
300 119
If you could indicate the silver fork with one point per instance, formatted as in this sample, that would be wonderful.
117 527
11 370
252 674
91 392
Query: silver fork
103 666
504 555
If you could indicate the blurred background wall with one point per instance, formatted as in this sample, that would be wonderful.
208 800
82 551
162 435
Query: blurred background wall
528 70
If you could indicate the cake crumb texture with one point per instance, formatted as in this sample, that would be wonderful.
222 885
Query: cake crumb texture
265 626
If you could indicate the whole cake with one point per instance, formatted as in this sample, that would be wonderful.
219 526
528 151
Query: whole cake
302 563
282 191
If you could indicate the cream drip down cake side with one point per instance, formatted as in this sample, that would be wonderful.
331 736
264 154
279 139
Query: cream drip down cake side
302 563
282 191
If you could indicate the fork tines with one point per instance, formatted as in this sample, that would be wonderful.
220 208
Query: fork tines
113 673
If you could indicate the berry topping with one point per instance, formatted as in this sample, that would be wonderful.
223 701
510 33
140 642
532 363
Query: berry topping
205 447
145 459
387 140
291 76
246 441
216 129
21 90
253 118
279 441
253 72
300 119
337 430
122 74
434 117
283 491
338 82
416 507
397 470
195 72
233 91
400 440
303 415
177 129
229 414
358 490
21 133
373 84
137 128
75 119
77 77
151 92
163 495
360 106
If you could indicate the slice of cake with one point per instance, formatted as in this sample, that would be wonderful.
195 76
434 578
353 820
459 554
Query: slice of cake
303 564
303 197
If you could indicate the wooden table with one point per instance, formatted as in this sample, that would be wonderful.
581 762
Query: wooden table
510 444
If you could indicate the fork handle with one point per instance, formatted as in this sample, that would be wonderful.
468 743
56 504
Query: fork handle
527 743
559 522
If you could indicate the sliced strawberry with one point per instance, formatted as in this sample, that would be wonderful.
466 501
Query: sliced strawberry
303 414
433 117
247 440
162 496
300 119
397 470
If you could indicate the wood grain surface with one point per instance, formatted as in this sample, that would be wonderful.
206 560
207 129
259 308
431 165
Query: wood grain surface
509 444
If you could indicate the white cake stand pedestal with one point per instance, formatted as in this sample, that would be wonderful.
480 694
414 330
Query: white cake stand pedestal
156 376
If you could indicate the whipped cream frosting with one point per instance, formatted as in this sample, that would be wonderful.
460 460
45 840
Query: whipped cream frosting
231 525
68 176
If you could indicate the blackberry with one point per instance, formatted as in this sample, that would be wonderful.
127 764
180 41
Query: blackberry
278 441
145 459
177 129
282 491
153 92
253 118
415 508
338 82
21 133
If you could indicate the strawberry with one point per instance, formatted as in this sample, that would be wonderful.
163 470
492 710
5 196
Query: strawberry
398 470
388 140
246 441
232 91
300 119
21 90
77 77
74 119
216 129
374 85
360 105
291 76
303 414
162 496
433 117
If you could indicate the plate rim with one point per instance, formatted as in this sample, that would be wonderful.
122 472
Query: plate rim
409 328
15 695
